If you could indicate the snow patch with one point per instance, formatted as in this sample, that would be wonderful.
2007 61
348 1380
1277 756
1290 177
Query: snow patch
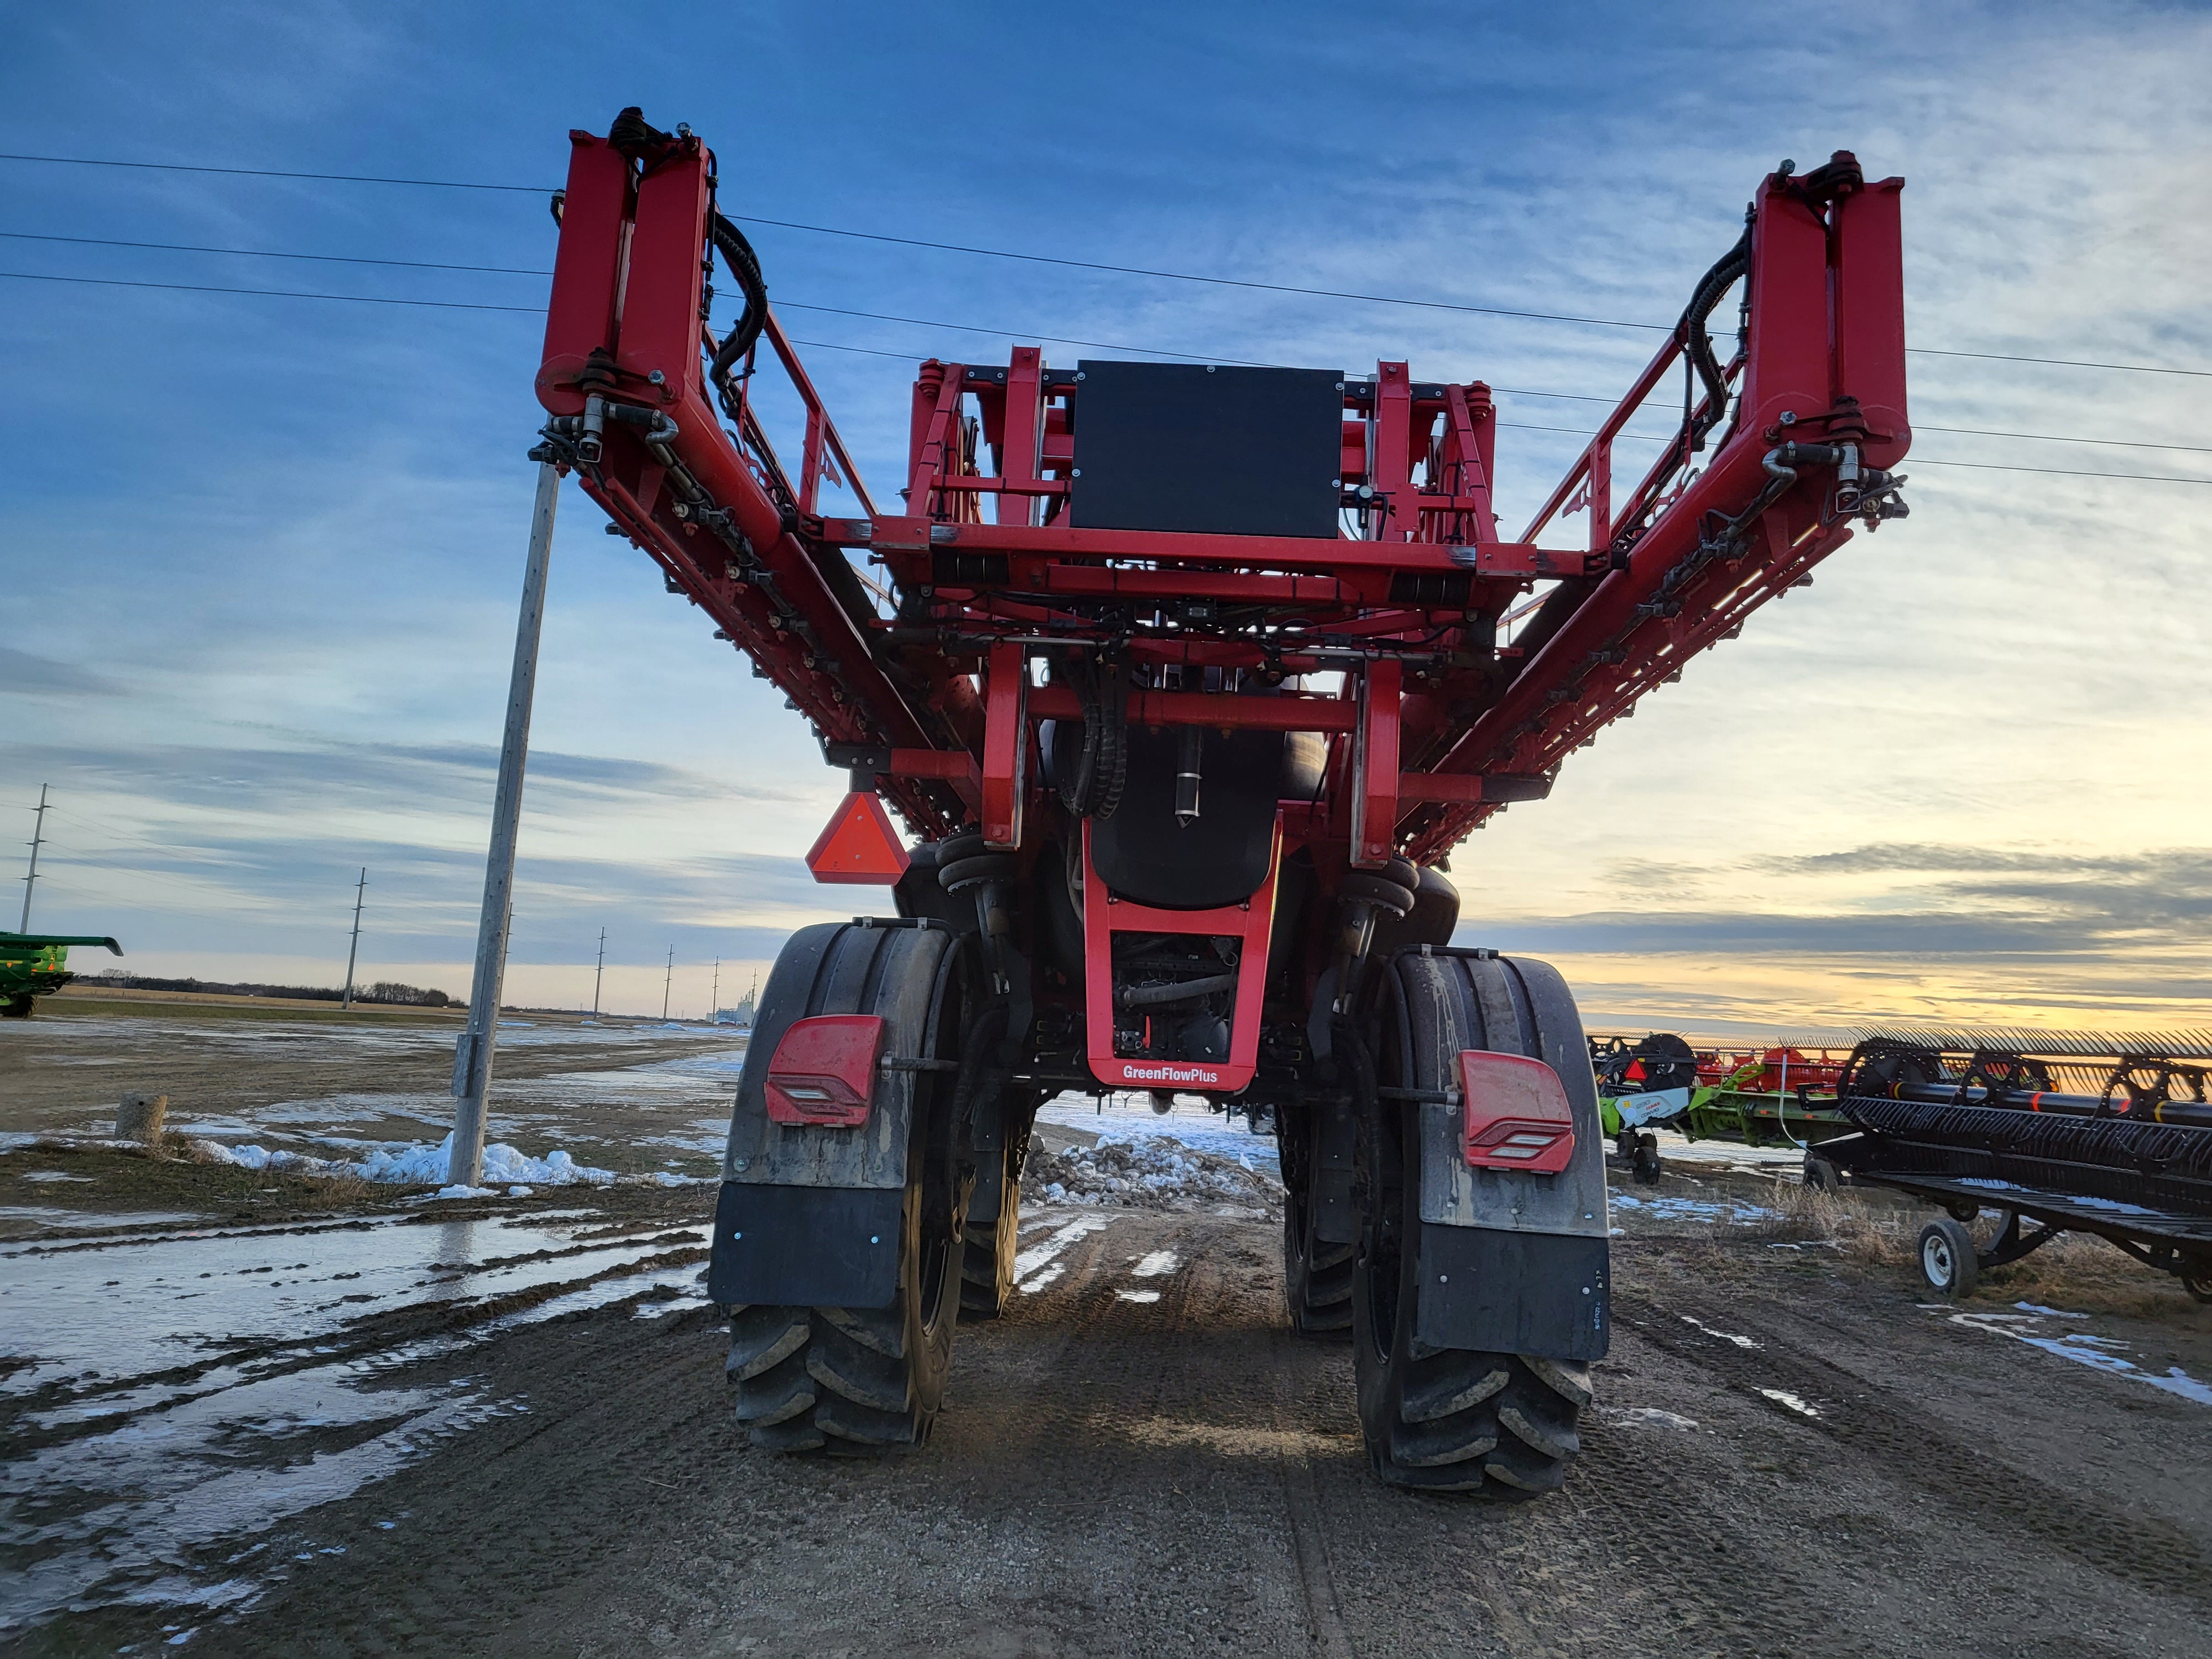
1152 1173
419 1164
1725 1336
1693 1209
1037 1266
2103 1354
1647 1416
1795 1402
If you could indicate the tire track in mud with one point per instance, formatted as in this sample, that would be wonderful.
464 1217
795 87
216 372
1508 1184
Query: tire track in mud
556 1499
1153 1407
1325 1626
1912 1447
1118 1478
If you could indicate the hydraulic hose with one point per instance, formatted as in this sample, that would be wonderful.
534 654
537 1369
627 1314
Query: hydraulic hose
1166 996
645 144
1698 342
744 264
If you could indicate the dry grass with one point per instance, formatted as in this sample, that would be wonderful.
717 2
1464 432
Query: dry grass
1864 1232
174 1175
323 1186
1878 1233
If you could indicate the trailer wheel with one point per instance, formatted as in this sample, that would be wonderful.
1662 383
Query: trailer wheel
852 1379
1822 1174
1648 1167
1948 1260
1452 1419
18 1007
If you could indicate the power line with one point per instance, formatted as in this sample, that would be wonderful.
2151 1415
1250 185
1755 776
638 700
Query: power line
2061 362
2053 438
270 293
1219 282
862 351
437 305
2060 471
269 173
1910 460
1012 334
901 356
841 310
267 253
125 837
1077 264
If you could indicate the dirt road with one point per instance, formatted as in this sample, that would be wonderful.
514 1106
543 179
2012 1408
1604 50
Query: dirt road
500 1426
1118 1476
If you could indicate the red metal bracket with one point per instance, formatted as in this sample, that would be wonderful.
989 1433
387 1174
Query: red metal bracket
1288 713
1104 915
1005 746
954 766
1375 765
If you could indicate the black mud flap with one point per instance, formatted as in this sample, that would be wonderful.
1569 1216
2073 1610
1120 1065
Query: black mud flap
1548 1294
813 1247
1335 1212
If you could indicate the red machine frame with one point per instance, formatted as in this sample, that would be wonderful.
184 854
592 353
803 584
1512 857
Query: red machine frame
928 687
1248 921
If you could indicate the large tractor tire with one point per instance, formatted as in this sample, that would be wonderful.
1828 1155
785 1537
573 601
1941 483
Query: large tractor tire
986 1268
1447 1419
1317 1272
853 1379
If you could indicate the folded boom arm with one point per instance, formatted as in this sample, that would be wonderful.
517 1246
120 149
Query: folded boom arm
1386 631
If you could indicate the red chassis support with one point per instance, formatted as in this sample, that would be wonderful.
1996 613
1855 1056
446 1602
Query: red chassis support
1249 922
1396 640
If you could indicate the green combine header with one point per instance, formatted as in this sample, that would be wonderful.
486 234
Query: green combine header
34 965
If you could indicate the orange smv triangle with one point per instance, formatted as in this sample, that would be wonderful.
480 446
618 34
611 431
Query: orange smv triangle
859 845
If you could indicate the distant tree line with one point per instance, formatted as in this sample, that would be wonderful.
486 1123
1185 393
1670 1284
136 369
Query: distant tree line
384 990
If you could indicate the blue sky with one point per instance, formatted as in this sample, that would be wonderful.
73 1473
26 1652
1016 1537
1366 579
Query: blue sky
261 555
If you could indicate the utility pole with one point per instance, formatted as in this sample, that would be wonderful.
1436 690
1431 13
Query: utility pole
353 950
598 973
667 982
37 836
714 1002
472 1055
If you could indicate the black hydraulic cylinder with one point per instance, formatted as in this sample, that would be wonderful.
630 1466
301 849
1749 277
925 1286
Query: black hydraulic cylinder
1188 767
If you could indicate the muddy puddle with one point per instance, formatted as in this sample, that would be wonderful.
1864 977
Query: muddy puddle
165 1389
